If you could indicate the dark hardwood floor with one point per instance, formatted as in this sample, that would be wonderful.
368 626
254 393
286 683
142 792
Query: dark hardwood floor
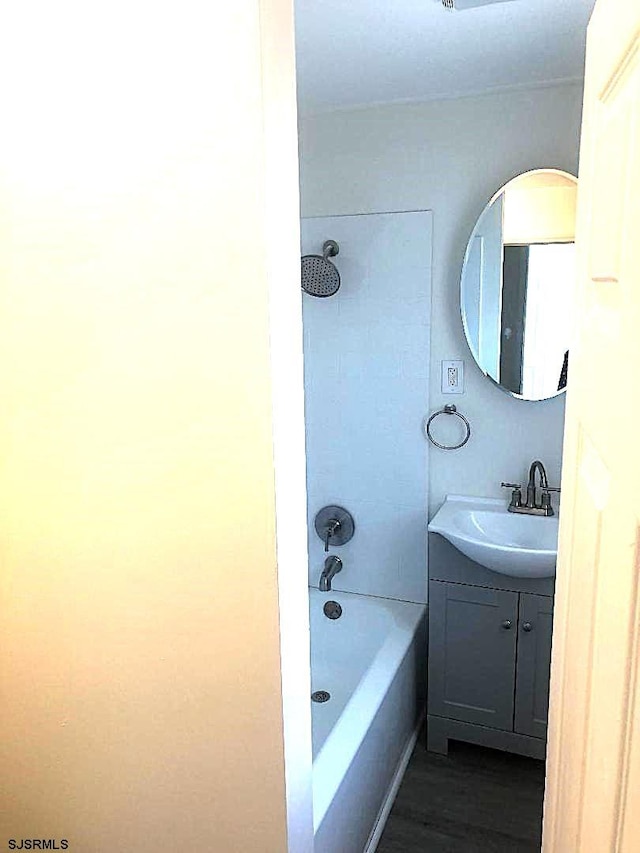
474 800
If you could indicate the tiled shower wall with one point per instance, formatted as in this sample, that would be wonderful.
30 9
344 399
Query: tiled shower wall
366 355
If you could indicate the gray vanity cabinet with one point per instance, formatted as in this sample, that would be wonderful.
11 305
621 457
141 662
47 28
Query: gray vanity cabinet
473 653
489 659
534 662
489 655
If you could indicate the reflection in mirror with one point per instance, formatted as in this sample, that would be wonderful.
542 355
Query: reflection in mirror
517 284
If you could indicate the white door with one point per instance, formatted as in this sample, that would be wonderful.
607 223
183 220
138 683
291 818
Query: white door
593 781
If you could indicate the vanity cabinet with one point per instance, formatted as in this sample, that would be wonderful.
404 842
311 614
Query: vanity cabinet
533 663
489 658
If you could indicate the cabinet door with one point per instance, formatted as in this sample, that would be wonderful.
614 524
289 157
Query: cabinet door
534 661
472 653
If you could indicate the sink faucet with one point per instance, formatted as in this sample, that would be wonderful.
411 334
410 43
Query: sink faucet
531 507
531 485
332 565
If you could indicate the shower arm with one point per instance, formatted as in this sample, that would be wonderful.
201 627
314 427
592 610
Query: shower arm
330 249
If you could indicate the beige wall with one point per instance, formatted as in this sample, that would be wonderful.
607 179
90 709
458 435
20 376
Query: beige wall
139 638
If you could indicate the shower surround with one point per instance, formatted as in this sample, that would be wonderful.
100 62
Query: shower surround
366 357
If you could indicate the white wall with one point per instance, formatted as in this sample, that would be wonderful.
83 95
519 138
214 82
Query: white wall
365 391
450 157
148 166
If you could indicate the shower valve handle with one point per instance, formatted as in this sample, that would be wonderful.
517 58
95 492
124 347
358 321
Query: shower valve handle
333 525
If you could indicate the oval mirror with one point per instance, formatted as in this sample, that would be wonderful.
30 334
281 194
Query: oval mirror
517 283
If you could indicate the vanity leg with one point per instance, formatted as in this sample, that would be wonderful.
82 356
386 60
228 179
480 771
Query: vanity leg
437 740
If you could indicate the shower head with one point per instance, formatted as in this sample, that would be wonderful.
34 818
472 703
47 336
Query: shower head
319 275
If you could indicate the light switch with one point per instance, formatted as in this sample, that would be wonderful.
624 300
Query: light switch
453 377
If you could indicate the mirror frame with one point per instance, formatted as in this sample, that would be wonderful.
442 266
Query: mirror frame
493 198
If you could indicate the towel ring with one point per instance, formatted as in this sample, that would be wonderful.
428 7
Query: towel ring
449 409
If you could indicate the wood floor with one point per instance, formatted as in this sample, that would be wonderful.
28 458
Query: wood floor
474 800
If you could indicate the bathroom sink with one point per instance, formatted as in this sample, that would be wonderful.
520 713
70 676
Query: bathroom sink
522 546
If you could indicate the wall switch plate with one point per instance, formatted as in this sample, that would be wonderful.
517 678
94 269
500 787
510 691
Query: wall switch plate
453 377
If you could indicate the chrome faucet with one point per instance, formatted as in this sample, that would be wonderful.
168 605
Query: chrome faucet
332 565
531 507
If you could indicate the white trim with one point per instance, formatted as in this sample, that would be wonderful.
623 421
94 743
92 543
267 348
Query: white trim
440 96
387 804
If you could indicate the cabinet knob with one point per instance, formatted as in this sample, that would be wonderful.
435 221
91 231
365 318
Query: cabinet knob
527 626
506 624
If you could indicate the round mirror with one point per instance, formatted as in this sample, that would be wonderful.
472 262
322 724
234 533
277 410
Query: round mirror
517 282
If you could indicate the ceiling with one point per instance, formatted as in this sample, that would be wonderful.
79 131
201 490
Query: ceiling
358 52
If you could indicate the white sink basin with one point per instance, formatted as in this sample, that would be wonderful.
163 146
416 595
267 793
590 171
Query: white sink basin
522 546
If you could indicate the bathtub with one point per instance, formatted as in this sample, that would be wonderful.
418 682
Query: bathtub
372 662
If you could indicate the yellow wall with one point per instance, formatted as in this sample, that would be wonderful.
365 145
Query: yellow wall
141 703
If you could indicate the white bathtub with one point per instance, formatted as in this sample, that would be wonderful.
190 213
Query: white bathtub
371 661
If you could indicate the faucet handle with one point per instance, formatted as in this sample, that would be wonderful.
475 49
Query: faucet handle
333 526
546 499
516 495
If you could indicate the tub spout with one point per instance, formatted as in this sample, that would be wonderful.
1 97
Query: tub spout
332 565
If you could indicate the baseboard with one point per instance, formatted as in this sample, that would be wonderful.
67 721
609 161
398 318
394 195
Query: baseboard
387 803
